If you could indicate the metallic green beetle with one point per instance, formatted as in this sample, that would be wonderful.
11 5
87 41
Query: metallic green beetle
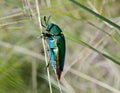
56 42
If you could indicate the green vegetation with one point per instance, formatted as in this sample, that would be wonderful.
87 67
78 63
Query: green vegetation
92 31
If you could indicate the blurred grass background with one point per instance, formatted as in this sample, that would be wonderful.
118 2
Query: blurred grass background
21 52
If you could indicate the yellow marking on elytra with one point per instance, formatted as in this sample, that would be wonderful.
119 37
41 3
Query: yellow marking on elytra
57 56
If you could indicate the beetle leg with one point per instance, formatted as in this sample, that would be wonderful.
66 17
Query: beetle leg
43 35
48 61
48 64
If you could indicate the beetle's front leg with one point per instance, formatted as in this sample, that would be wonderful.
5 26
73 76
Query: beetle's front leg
48 35
44 35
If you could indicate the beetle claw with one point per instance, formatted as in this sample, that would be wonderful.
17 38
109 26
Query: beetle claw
43 36
47 66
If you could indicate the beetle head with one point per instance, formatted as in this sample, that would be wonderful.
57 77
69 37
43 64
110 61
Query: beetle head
50 27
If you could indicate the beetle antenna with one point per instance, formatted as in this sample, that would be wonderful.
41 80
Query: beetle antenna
45 20
48 19
42 24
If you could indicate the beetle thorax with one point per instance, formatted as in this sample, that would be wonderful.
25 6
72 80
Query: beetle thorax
53 29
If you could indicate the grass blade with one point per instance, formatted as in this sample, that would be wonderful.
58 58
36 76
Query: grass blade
96 14
79 41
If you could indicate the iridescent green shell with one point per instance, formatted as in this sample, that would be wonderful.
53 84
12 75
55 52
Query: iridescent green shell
57 48
53 29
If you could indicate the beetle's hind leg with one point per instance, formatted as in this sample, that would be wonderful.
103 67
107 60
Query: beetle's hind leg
48 60
48 64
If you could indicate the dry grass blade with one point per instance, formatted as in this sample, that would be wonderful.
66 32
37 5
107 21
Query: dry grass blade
40 26
21 50
82 75
96 14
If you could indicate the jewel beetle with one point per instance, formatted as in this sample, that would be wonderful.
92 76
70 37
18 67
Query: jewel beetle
57 46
